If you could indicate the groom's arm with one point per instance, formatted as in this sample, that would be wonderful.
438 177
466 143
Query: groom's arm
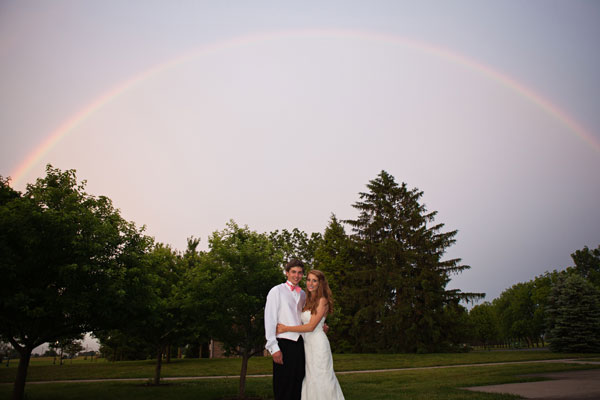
271 315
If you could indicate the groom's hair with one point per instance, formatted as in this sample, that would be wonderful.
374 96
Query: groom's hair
294 262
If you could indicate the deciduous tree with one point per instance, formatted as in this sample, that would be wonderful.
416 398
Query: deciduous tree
334 258
68 259
587 264
242 266
296 244
485 324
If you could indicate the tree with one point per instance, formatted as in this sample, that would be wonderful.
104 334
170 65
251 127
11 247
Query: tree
196 302
587 264
521 309
6 350
399 274
68 260
485 324
573 315
118 345
163 321
333 257
71 346
542 285
50 353
242 266
296 244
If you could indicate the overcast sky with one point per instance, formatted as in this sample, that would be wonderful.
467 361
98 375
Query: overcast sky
276 114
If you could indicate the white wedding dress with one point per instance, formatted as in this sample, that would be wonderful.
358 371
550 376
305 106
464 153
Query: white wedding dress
320 382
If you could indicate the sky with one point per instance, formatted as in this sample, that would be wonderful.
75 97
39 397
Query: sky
277 114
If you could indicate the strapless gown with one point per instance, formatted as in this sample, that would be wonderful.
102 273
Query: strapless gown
320 382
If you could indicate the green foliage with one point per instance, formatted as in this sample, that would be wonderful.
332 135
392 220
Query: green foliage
333 257
241 267
119 345
196 301
296 244
574 315
522 311
587 264
515 309
392 283
485 324
69 263
66 259
164 319
69 346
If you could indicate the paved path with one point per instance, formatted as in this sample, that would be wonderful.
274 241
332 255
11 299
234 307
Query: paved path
571 385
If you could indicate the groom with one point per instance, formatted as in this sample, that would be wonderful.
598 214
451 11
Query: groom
284 305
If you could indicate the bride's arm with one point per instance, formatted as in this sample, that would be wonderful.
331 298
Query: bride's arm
311 325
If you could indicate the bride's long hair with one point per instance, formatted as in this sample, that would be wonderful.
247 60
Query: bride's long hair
312 300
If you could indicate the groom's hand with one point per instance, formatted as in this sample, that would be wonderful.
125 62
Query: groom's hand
278 357
325 328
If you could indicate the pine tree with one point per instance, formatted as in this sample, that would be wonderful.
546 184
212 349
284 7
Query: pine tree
573 315
398 275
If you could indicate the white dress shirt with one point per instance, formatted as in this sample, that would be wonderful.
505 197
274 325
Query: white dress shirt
284 306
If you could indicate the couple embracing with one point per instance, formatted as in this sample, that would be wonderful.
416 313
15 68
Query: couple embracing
302 361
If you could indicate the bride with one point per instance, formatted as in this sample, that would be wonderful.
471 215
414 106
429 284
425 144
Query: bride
320 382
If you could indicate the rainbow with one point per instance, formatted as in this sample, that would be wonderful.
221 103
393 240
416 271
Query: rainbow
80 116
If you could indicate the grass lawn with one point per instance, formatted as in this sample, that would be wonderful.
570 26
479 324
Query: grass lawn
41 369
431 384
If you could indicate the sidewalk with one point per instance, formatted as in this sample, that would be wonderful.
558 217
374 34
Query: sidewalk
572 385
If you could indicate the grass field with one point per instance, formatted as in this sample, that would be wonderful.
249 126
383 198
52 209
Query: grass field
408 384
42 369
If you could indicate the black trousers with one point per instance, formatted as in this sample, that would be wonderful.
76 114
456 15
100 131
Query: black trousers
287 378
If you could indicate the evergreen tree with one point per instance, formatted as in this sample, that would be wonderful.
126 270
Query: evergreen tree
399 276
573 315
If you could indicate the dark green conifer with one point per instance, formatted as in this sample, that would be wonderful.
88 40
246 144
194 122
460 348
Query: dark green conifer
399 277
573 315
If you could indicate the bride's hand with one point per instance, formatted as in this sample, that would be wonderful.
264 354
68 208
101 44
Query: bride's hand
281 328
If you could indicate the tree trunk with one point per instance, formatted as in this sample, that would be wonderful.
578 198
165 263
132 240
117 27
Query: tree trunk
158 365
168 353
242 391
19 387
